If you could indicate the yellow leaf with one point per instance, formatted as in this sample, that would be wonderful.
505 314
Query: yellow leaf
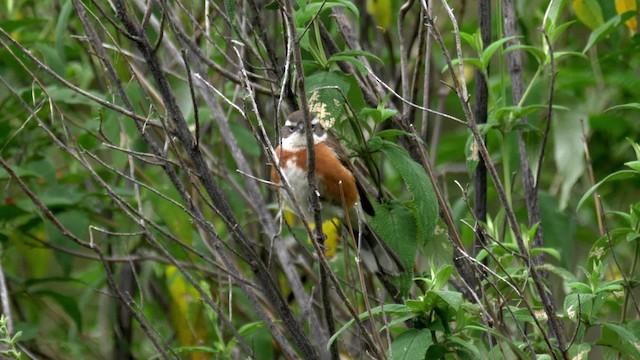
623 6
381 11
331 229
589 13
289 217
186 312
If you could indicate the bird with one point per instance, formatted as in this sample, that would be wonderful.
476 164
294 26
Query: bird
337 186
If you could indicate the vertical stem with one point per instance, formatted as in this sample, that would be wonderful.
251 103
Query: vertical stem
514 62
311 173
480 111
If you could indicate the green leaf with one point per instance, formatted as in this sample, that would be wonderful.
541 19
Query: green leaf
357 63
411 345
559 228
419 187
442 277
247 329
555 9
245 138
560 54
466 344
474 40
76 222
378 114
325 102
634 165
589 13
555 32
389 309
67 303
13 25
306 13
70 97
392 133
467 61
620 338
491 49
397 225
61 28
579 351
618 175
354 53
578 305
629 106
606 28
452 298
553 252
536 52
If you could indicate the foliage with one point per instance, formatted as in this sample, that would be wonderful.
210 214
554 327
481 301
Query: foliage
134 222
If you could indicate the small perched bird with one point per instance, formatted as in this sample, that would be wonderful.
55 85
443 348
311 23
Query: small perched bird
335 179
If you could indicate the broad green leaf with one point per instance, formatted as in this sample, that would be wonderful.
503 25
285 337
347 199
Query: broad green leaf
411 345
452 298
325 102
418 185
397 225
620 338
578 306
589 13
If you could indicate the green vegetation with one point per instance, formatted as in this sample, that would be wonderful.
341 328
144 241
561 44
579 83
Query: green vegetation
136 138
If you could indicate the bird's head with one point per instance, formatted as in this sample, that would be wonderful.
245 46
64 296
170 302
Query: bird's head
293 132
